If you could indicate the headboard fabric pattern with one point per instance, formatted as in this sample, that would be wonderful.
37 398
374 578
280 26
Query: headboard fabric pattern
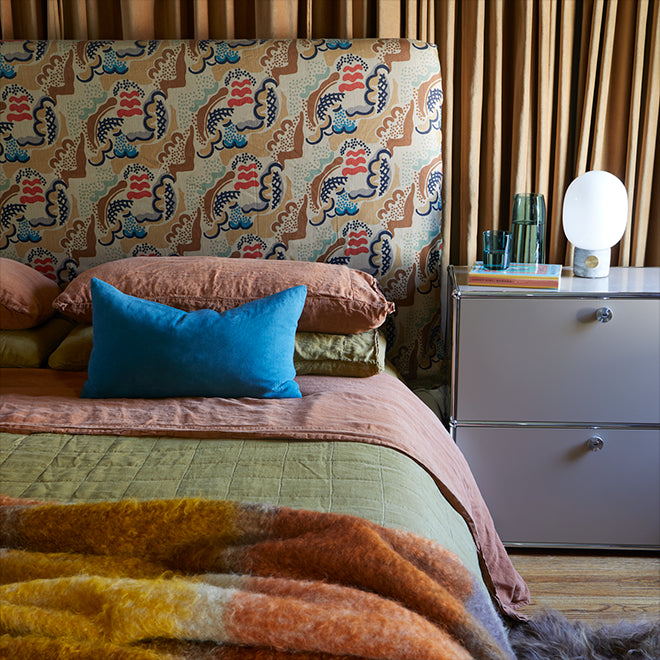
310 150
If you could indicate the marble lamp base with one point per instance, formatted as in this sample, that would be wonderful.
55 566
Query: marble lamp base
591 263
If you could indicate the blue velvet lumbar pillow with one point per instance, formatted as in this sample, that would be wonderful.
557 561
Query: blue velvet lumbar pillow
144 349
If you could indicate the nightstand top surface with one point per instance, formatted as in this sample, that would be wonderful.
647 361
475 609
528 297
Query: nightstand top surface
638 282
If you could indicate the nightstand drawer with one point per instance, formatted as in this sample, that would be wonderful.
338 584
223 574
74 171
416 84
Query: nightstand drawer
546 486
551 360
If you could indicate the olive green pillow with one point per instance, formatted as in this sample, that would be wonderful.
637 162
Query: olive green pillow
356 355
30 347
73 353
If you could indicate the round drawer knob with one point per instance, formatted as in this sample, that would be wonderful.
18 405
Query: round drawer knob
604 314
595 443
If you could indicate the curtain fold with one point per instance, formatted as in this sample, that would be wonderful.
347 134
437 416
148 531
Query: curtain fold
563 127
471 88
536 91
647 140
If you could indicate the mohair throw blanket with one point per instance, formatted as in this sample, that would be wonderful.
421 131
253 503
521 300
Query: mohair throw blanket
218 579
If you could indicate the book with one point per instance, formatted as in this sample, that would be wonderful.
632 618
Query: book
529 276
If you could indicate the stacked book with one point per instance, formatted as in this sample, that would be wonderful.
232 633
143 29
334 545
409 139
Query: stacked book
530 276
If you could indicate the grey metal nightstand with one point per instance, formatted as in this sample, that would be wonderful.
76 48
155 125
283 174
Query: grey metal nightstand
555 402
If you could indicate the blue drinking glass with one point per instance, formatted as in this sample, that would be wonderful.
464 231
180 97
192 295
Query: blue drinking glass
497 249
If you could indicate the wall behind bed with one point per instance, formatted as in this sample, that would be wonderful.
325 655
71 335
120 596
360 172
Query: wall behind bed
312 150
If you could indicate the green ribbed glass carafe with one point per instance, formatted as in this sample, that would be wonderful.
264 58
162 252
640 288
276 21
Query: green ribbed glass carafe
528 228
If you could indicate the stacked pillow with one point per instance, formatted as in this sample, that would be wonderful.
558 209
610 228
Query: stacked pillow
150 301
28 331
26 296
355 355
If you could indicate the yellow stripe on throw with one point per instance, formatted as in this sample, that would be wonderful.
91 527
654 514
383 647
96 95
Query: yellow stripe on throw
20 566
118 611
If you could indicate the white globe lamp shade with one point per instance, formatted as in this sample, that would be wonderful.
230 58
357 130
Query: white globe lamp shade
594 218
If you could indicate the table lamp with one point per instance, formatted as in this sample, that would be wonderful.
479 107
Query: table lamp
594 218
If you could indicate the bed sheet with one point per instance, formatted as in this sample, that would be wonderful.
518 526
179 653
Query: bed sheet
379 411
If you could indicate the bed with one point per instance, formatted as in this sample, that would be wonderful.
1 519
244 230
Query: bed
269 211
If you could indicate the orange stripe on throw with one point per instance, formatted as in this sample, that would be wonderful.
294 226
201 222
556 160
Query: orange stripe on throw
353 551
389 632
125 528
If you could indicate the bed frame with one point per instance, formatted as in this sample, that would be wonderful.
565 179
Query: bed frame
302 150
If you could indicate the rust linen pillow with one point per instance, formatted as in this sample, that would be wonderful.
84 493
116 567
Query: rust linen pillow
339 299
26 296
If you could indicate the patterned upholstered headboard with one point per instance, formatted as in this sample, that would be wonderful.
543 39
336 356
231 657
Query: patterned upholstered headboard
307 150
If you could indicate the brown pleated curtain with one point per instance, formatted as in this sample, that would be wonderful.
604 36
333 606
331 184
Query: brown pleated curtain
536 91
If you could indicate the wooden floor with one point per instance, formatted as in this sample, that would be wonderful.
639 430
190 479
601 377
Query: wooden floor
596 588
